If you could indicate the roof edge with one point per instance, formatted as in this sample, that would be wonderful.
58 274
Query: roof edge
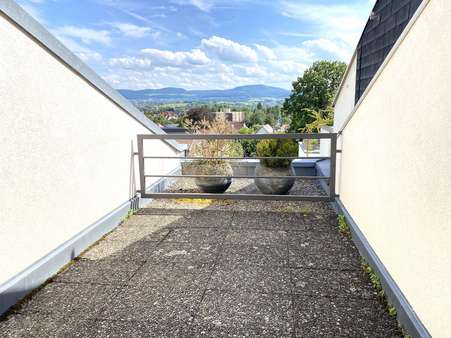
384 64
25 22
352 58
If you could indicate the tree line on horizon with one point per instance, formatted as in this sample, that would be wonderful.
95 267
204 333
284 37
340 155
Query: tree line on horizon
307 108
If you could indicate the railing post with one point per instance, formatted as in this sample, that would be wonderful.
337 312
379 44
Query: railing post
333 166
142 179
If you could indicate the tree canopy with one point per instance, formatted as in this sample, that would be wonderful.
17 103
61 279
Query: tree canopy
197 114
314 90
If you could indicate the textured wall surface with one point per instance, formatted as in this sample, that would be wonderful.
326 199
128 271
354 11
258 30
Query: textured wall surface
395 177
65 152
345 101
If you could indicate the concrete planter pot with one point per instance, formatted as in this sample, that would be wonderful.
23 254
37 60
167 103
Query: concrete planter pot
213 185
274 186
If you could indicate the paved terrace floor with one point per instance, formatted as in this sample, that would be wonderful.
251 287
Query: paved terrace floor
225 269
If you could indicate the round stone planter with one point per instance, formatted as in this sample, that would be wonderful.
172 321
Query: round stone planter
274 186
213 185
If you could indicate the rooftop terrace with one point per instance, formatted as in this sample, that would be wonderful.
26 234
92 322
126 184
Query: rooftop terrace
209 269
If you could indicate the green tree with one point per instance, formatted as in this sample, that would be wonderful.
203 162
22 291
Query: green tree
197 114
255 117
249 145
272 116
314 90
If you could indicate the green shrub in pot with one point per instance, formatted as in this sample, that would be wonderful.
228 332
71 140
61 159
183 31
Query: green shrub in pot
274 166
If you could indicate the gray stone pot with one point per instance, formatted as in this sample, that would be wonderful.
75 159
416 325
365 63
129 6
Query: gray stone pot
274 186
214 185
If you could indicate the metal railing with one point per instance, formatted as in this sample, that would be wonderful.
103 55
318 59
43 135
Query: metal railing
238 196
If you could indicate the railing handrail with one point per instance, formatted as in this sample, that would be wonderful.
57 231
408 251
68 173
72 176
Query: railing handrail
239 158
236 136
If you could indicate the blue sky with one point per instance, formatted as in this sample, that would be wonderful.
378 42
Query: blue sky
203 44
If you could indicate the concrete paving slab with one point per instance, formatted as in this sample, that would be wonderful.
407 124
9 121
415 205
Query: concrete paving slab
99 272
342 317
69 299
119 251
256 237
196 235
252 279
333 260
185 253
158 305
241 256
243 311
331 283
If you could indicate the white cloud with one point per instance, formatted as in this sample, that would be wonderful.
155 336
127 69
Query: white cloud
131 62
164 57
153 58
203 5
131 30
86 35
266 52
208 5
251 71
194 69
332 22
229 50
294 53
84 53
289 67
331 47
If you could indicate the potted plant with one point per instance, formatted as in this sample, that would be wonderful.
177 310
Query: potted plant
205 150
275 167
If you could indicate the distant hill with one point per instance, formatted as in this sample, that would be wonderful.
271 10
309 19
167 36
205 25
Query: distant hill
243 93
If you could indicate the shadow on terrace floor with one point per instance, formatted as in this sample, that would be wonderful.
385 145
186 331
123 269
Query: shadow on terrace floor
231 268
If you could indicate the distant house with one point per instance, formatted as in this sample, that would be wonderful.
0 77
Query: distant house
266 129
176 129
238 125
169 115
284 128
236 118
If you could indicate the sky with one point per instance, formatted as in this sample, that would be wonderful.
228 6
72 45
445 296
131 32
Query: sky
203 44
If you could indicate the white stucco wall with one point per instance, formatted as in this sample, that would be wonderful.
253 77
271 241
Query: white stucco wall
345 100
395 177
65 152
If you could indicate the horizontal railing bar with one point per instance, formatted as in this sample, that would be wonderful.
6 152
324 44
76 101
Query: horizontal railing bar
232 196
233 176
237 158
235 136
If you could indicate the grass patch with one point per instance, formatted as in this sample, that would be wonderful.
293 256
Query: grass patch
343 226
289 209
305 210
130 213
392 311
374 278
377 285
197 201
345 230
